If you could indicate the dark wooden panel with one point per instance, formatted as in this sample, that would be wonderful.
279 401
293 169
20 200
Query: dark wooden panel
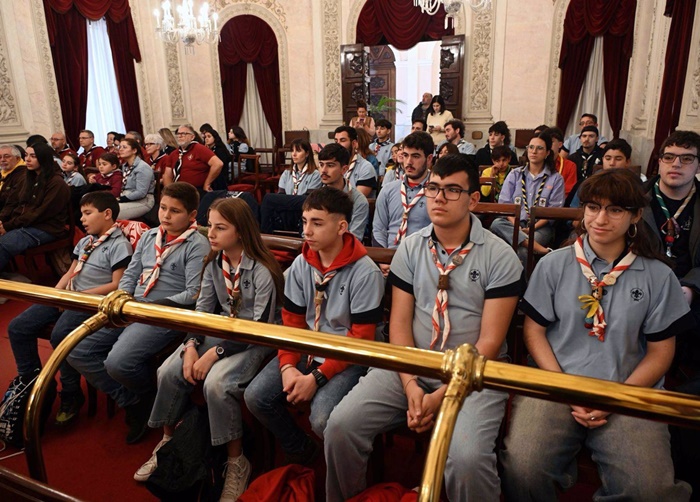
451 73
354 76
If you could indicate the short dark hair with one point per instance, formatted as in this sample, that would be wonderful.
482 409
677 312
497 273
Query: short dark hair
384 123
331 200
185 193
101 200
619 144
684 139
111 158
88 132
590 129
335 151
555 133
501 128
541 127
591 116
501 152
455 163
456 124
420 140
422 122
36 138
352 133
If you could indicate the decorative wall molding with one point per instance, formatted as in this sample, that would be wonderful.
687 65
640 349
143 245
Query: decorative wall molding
9 114
694 106
658 61
642 117
554 77
331 55
272 13
176 92
141 81
272 6
481 72
46 62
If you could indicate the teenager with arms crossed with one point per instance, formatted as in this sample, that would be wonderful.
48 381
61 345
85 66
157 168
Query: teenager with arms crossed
332 287
606 307
474 278
243 279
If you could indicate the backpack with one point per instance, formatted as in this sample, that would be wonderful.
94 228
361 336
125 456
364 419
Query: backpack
14 406
188 464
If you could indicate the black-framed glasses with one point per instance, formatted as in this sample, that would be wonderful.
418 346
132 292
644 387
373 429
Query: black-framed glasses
613 212
451 192
685 158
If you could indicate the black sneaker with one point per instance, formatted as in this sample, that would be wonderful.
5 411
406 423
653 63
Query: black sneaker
137 418
71 402
307 456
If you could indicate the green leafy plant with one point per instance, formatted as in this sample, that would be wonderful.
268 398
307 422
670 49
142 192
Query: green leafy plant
384 105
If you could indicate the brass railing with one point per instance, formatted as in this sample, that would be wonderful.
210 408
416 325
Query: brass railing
462 369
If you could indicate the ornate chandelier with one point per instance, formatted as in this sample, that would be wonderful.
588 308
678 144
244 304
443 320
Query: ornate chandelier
189 29
452 7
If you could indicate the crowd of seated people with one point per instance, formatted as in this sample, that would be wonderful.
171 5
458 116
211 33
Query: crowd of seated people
607 304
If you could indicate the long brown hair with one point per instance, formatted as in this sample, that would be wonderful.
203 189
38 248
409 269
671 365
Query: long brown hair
238 213
623 188
363 142
305 146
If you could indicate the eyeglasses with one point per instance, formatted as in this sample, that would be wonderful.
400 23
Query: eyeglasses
449 192
535 148
685 158
613 212
149 144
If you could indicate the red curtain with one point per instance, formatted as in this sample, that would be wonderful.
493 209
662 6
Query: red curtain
399 23
675 68
248 39
585 20
67 32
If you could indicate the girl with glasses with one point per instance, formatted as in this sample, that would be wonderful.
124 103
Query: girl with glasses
607 307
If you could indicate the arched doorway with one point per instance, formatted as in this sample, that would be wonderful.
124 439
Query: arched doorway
250 79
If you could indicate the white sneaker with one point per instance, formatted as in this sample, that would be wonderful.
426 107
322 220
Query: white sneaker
149 467
237 476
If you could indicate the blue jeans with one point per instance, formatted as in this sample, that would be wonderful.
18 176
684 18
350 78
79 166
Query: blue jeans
223 389
115 360
633 455
16 242
378 404
268 402
24 330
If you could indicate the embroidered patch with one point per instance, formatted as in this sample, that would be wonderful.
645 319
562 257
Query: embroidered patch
637 294
173 266
246 284
474 275
342 289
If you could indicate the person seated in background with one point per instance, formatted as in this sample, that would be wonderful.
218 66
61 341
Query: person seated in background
13 171
156 156
282 211
213 141
589 156
136 136
110 174
37 213
499 135
453 282
93 270
238 144
562 165
401 207
333 287
60 145
364 140
91 152
360 174
522 160
536 184
138 182
192 163
607 307
363 120
454 133
436 119
419 125
242 280
446 148
70 167
573 142
382 145
395 171
500 156
165 270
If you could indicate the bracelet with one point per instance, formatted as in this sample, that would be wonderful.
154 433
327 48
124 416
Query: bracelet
414 377
286 368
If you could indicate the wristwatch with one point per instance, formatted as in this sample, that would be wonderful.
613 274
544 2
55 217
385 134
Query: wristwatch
321 379
220 351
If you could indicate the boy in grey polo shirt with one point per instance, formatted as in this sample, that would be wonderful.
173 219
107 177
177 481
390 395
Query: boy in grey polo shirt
607 308
332 287
166 270
476 277
99 261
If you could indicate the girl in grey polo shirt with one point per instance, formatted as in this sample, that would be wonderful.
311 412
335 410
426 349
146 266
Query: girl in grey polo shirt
241 278
607 307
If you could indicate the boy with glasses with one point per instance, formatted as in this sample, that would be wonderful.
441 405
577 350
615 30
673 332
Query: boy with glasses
469 281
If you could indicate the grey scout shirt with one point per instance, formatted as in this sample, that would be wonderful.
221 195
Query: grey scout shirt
383 153
111 255
389 212
552 194
308 182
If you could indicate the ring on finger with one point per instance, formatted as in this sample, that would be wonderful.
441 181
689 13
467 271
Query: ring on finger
592 418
